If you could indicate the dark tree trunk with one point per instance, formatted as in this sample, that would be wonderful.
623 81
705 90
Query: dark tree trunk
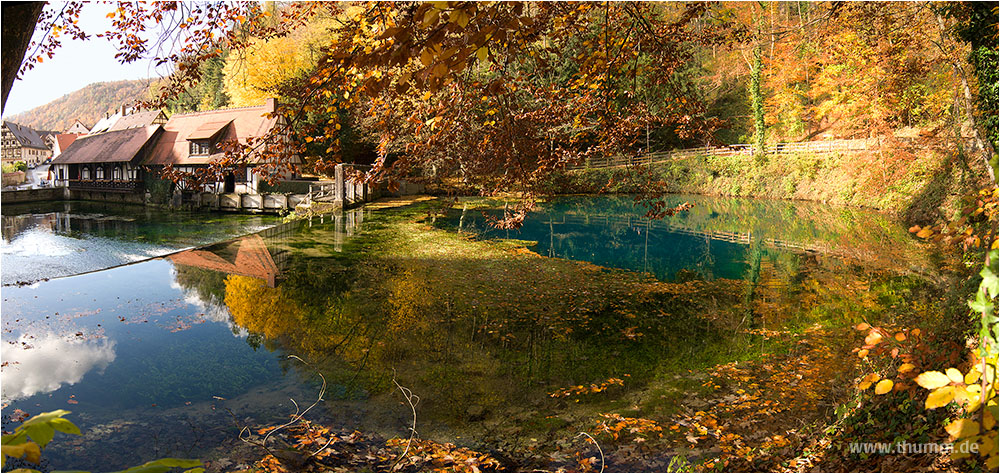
19 19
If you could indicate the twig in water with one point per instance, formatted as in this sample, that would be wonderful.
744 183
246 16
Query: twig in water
412 400
295 418
583 433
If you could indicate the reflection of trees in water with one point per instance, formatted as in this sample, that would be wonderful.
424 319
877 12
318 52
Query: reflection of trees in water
865 236
473 335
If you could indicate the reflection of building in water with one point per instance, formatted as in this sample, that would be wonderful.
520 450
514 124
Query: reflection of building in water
345 223
262 255
265 255
67 222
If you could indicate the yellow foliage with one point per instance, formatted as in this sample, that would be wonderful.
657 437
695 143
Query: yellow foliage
883 387
933 379
259 309
940 397
962 428
253 74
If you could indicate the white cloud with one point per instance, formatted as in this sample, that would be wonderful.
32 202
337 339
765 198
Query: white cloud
44 364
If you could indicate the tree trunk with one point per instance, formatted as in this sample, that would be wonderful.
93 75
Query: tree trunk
19 19
983 147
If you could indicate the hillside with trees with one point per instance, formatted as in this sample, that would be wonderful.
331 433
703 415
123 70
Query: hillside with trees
86 105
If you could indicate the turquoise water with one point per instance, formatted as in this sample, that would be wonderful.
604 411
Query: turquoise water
711 240
53 239
173 356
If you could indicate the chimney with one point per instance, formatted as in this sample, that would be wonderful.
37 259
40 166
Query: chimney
271 105
122 110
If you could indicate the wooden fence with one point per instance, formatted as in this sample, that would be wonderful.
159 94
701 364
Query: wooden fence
817 147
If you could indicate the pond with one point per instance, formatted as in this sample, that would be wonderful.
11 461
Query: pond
628 331
52 239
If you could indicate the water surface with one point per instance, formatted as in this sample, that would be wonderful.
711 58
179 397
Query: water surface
171 357
53 239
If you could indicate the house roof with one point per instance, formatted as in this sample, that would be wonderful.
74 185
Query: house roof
138 120
105 123
108 147
208 130
26 136
78 127
64 140
173 147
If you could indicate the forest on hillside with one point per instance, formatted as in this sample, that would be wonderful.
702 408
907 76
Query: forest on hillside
87 105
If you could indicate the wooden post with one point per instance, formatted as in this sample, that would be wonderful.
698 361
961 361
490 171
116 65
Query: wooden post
338 191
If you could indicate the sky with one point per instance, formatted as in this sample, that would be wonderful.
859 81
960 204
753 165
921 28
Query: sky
75 65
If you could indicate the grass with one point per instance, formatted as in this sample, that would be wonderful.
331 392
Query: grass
912 185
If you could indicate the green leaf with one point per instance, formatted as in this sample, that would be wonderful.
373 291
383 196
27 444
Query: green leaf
40 433
981 304
165 464
65 426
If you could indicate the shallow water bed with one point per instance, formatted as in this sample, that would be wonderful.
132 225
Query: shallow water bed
510 352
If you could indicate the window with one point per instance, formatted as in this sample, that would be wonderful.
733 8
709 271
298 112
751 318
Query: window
85 173
99 172
116 173
201 148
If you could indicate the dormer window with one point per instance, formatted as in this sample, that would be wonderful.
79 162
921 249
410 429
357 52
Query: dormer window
201 147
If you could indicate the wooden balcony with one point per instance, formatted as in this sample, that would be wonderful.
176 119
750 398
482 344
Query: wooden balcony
106 185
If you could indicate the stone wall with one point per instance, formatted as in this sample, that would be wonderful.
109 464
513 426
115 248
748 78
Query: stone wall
32 195
13 179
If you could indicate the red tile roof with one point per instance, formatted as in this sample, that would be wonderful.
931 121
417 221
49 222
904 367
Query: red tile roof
236 124
66 139
123 145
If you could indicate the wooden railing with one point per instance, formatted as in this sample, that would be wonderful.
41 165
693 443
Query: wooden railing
817 147
108 185
343 191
